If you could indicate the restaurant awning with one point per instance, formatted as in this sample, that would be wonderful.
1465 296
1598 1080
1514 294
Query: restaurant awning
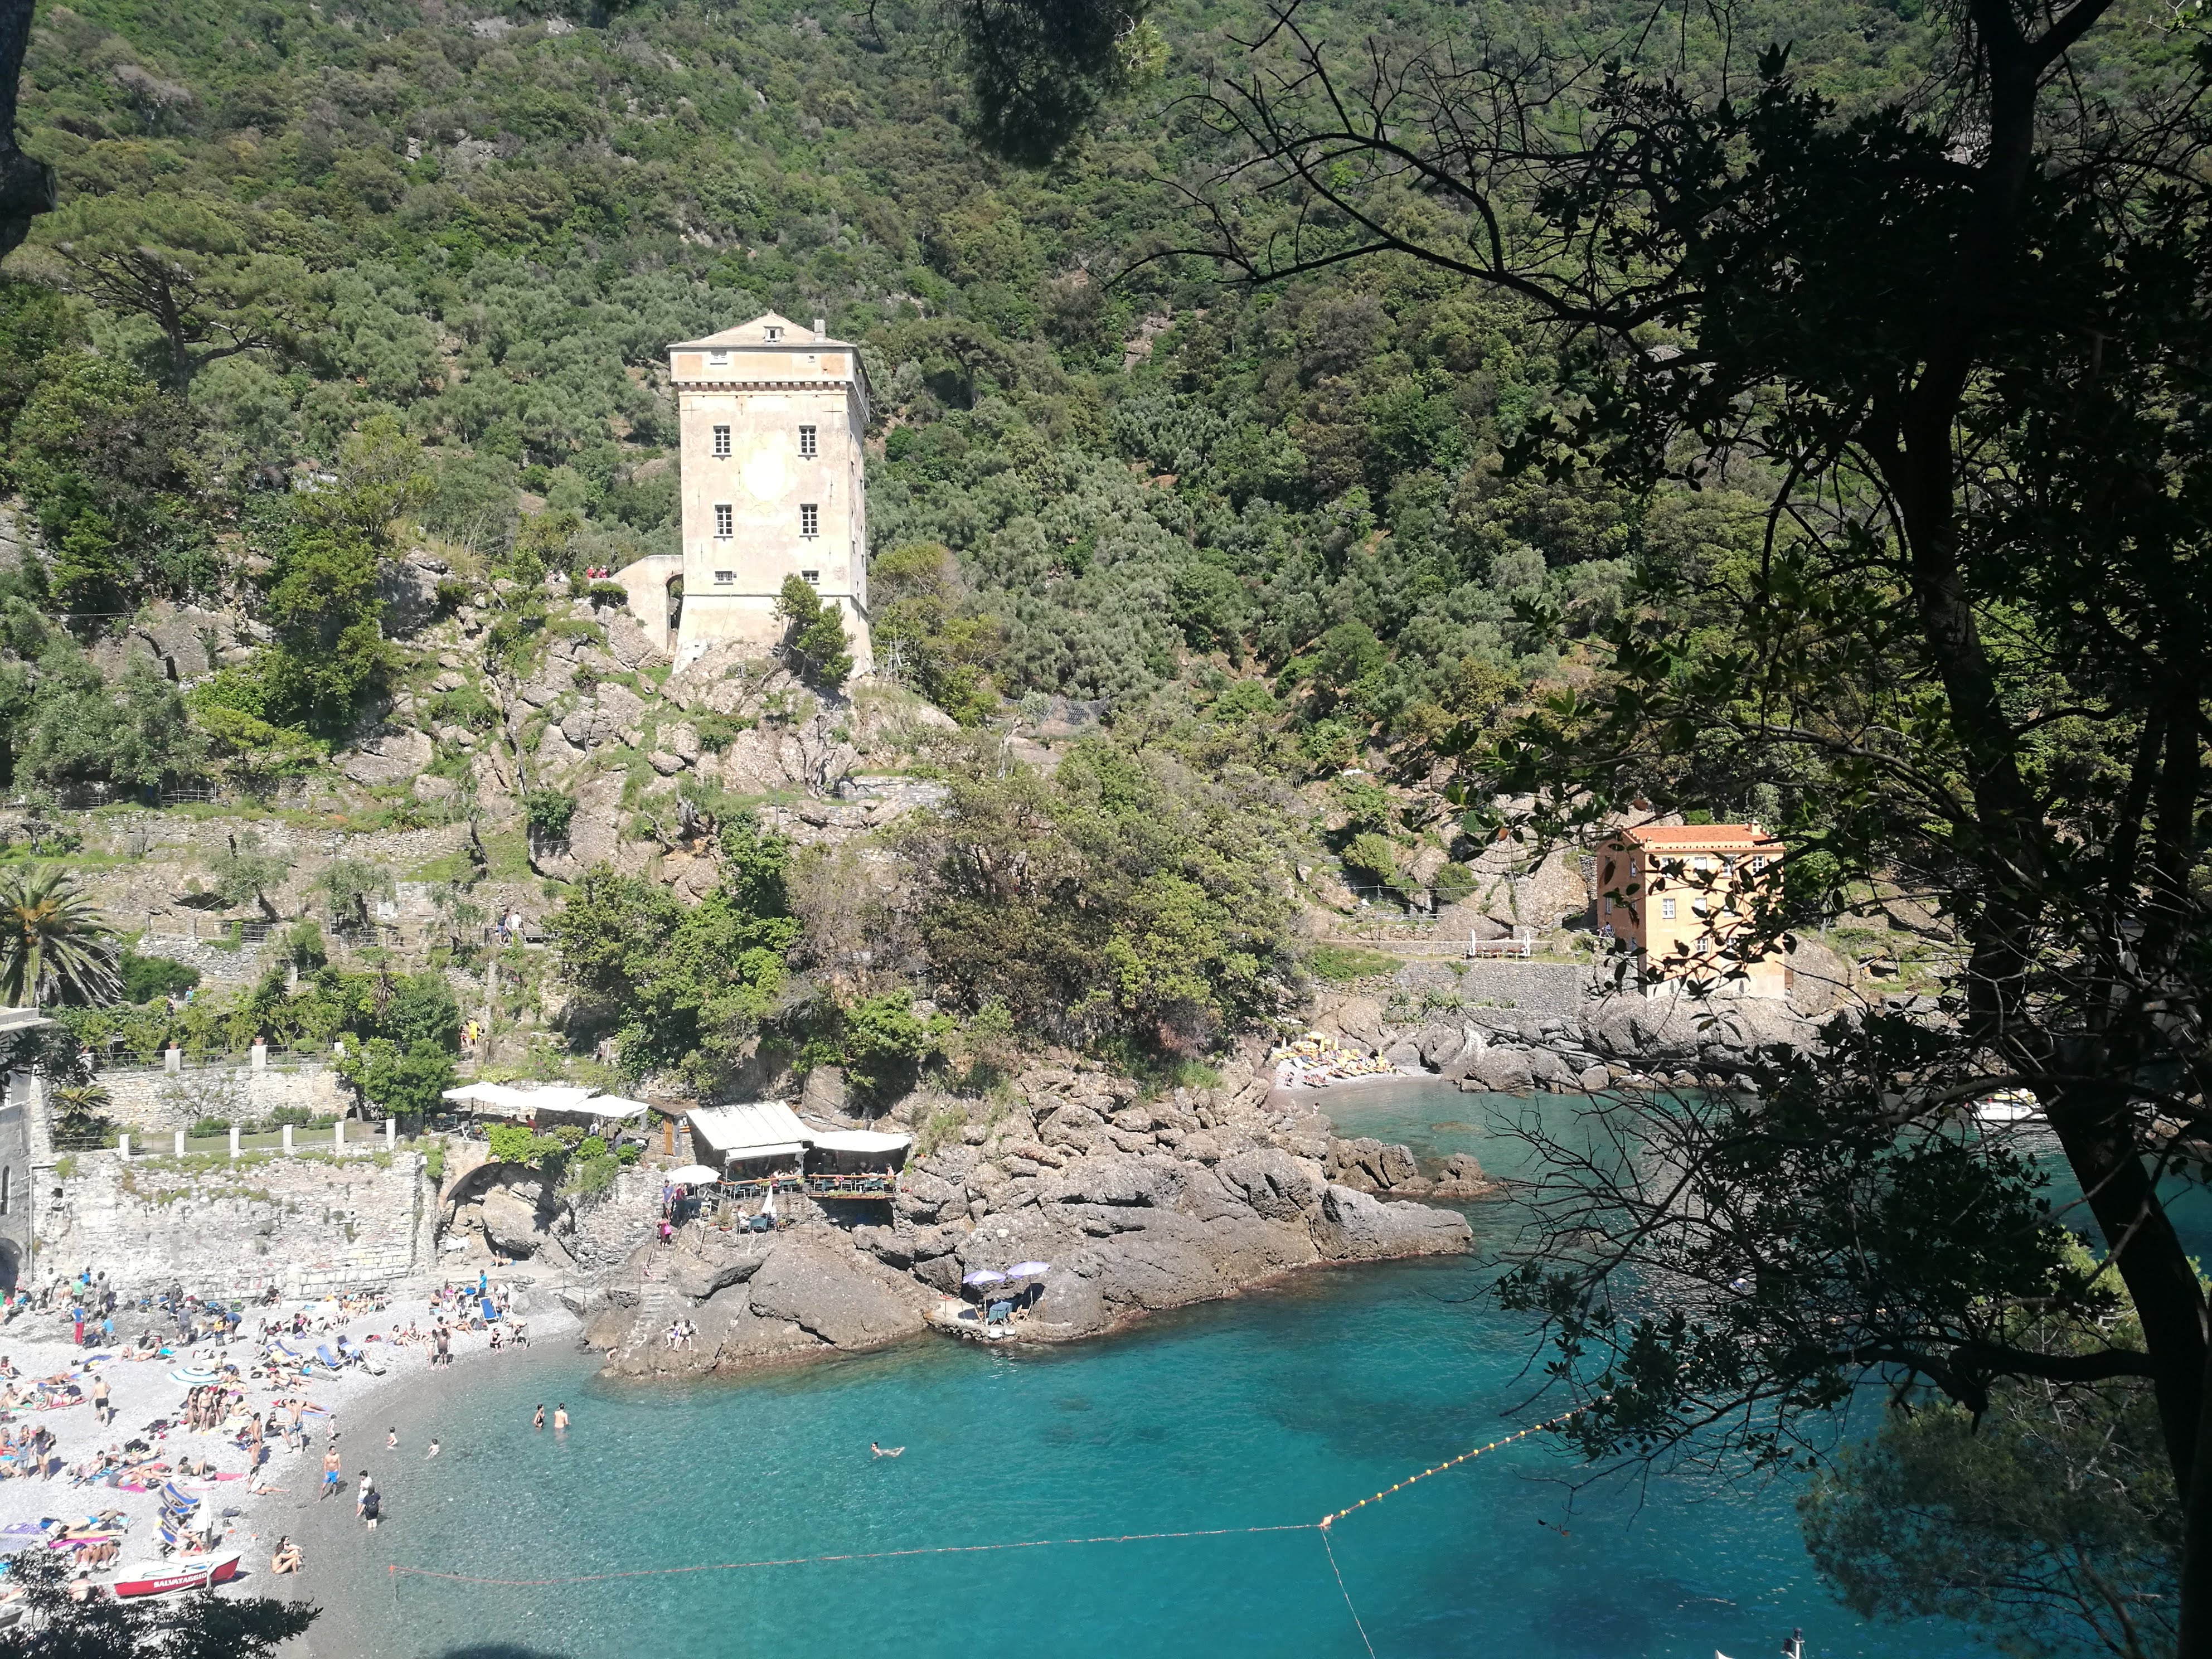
610 1106
766 1128
866 1141
508 1098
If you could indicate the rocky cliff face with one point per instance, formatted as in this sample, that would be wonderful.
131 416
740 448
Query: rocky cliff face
1136 1207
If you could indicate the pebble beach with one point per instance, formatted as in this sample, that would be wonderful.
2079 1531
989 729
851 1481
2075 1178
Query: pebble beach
253 1514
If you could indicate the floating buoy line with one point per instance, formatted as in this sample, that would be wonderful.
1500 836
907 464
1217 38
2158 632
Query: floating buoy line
395 1572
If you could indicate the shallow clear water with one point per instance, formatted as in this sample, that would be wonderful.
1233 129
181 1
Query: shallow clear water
1271 1409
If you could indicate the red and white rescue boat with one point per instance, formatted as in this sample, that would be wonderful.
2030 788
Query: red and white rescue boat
158 1578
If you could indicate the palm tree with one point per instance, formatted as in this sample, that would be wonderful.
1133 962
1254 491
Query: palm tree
52 940
81 1113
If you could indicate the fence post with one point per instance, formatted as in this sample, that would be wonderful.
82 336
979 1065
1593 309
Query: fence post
180 1143
288 1140
234 1143
337 1135
173 1059
259 1055
390 1132
123 1145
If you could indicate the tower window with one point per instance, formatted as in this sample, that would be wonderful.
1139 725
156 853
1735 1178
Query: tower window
773 333
718 360
721 443
810 519
813 576
806 443
726 575
725 521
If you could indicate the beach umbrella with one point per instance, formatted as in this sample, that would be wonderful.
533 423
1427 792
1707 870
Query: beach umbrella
1029 1269
983 1276
693 1174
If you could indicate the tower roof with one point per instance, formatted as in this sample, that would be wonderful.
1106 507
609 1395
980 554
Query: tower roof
755 333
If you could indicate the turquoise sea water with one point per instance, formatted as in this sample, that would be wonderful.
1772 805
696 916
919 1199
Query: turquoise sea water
1269 1410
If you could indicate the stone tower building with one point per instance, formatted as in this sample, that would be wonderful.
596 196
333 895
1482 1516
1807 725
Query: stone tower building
771 417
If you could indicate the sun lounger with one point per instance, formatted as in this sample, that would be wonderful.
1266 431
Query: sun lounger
324 1354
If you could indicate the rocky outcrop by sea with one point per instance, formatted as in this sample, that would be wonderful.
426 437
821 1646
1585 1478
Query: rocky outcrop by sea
1613 1040
1136 1205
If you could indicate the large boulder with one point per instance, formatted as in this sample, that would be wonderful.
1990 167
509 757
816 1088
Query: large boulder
1501 1071
1821 979
1110 1178
1272 1182
832 1293
1357 1019
629 643
824 1093
1352 1226
513 1222
395 757
698 1273
408 591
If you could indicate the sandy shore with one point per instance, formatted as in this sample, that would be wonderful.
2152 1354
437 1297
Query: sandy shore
142 1390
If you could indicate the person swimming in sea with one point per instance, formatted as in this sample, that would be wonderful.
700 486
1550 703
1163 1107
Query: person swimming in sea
886 1451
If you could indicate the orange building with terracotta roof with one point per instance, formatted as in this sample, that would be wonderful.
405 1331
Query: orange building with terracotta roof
1677 894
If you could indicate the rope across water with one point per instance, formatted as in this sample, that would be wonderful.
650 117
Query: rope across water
395 1572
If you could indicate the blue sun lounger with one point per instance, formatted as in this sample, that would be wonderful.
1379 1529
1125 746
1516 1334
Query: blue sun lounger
324 1354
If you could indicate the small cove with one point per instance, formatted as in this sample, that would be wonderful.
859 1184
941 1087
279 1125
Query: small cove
1270 1409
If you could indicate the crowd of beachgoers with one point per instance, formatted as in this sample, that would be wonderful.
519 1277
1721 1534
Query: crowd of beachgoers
162 1445
1317 1060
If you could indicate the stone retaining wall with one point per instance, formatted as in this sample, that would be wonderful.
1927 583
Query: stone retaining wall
1543 988
161 1103
307 1223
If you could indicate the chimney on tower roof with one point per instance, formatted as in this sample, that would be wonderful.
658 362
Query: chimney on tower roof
821 329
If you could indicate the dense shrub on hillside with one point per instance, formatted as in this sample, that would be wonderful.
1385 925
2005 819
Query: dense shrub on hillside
686 989
1127 894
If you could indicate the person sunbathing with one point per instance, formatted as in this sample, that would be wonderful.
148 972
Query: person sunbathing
287 1557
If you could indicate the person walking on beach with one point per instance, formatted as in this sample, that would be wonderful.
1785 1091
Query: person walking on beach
330 1473
100 1411
361 1497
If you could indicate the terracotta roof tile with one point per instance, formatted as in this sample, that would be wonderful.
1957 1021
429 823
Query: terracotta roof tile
1699 837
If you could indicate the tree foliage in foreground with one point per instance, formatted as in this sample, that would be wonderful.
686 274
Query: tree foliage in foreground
1958 348
190 1627
2046 1517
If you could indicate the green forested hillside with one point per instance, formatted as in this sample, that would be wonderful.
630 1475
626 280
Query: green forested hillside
281 222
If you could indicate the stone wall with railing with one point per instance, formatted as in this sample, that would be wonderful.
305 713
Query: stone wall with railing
151 1101
308 1223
